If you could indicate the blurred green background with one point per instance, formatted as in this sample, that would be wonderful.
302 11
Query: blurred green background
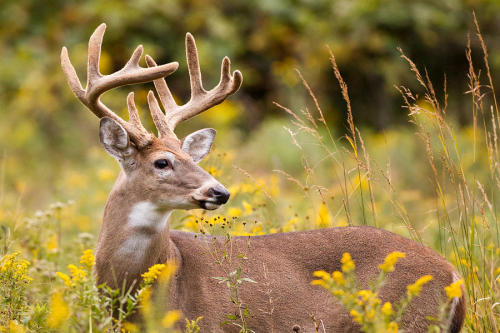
49 147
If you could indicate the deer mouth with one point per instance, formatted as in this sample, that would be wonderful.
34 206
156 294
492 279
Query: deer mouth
208 204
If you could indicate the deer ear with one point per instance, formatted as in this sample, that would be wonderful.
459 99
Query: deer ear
197 144
115 140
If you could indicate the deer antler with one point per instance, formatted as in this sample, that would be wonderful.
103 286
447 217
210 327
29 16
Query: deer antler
97 84
201 100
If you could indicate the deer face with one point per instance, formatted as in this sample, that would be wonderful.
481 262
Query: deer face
166 172
159 170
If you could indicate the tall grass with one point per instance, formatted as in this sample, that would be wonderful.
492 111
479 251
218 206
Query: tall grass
465 194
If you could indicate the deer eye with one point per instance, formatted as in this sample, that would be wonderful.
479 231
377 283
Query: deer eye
161 164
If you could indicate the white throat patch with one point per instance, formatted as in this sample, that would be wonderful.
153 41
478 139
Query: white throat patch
146 215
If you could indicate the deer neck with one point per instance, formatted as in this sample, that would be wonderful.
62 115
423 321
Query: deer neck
135 235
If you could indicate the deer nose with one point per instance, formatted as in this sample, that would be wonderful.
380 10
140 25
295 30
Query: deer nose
219 193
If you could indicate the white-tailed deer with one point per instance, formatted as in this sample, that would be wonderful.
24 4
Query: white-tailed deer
160 174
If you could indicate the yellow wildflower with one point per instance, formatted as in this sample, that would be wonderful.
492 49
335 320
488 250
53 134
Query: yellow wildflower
322 275
52 244
66 279
59 310
105 174
129 327
145 299
342 222
153 273
234 211
414 289
15 327
392 327
321 283
170 318
365 295
338 277
387 309
465 263
247 207
391 260
338 292
87 258
323 219
324 281
356 316
77 274
454 289
347 263
290 225
168 271
370 314
15 268
213 171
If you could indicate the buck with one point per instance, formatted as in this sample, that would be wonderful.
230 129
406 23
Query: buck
160 174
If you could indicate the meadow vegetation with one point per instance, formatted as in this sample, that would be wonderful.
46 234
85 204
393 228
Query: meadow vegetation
434 181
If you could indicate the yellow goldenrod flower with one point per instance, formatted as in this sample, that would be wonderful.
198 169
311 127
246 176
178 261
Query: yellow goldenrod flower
356 316
15 268
338 277
347 263
342 222
66 279
391 260
323 219
15 327
59 310
168 271
153 273
213 171
247 207
387 309
321 283
105 174
414 289
234 211
87 258
129 327
454 289
77 274
392 327
322 275
145 299
370 314
170 318
52 244
365 294
338 292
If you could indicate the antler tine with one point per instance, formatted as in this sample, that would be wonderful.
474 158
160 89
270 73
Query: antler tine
97 84
193 67
157 115
133 115
201 100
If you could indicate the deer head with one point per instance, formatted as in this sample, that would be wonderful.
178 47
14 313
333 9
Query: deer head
162 169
